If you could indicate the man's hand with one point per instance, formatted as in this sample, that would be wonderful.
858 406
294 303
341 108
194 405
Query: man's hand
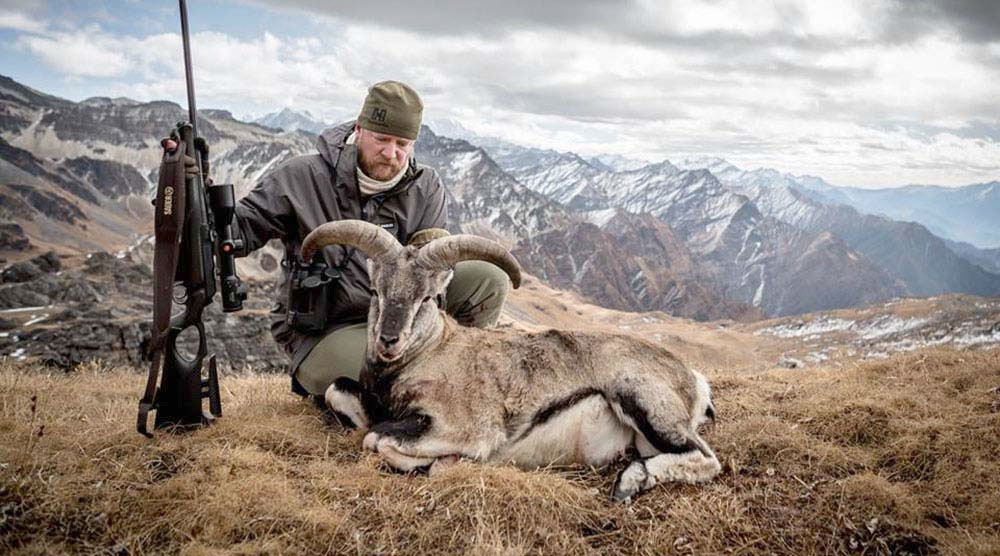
190 164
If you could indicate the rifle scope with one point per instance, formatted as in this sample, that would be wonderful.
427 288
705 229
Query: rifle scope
223 204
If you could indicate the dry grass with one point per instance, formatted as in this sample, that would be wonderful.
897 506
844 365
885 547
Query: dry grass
898 456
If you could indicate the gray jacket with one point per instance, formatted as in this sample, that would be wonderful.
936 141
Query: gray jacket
309 190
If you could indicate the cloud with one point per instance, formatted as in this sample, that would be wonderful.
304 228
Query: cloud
77 54
19 21
973 20
460 17
811 87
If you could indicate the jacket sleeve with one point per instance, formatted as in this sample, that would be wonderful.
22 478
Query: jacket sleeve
264 214
435 206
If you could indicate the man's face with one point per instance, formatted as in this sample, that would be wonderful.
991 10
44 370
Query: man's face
381 155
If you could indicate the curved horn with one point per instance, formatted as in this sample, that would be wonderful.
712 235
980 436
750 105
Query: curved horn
369 238
446 251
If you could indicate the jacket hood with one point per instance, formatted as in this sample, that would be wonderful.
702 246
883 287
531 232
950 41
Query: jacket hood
331 141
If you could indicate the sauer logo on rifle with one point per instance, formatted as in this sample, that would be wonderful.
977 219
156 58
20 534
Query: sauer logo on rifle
168 200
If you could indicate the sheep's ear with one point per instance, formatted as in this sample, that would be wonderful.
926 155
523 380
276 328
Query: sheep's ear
444 280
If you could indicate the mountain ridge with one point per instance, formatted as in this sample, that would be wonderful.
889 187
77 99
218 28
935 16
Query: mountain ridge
681 238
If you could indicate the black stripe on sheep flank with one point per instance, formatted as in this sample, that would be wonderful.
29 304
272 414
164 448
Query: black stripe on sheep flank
556 407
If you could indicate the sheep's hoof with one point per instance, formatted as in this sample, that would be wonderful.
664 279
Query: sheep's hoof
630 481
370 442
440 464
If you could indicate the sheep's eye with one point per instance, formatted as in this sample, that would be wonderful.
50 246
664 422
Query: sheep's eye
426 299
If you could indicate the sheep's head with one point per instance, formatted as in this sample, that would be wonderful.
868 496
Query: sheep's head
406 280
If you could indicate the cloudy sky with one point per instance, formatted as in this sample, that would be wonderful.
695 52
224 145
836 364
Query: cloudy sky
864 93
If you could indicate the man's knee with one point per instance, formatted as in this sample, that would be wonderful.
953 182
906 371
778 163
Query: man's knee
477 293
340 353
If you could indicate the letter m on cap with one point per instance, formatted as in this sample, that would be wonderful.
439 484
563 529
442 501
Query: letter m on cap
378 115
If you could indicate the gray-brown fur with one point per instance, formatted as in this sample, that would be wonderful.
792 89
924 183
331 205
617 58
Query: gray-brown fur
500 395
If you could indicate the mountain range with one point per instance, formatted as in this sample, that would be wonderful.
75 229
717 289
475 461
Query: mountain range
696 238
290 120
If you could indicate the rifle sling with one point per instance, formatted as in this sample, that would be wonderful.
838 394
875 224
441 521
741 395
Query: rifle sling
171 206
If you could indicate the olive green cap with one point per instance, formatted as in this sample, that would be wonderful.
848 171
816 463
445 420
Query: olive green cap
392 107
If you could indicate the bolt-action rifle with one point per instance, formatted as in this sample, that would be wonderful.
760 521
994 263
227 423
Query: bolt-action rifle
193 231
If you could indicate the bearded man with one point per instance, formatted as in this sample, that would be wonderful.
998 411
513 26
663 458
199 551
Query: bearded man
364 170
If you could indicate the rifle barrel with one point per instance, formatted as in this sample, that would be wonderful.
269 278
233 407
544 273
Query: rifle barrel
188 76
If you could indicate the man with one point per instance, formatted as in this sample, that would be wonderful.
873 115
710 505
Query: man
364 170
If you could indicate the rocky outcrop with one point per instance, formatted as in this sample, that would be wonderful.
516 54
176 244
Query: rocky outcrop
34 167
102 310
47 203
112 179
12 236
25 271
240 343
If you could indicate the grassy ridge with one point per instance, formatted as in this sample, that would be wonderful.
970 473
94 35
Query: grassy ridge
896 456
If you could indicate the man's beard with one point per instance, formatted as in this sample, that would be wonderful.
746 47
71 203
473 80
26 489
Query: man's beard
379 168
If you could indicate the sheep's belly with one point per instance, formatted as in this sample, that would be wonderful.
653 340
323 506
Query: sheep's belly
587 433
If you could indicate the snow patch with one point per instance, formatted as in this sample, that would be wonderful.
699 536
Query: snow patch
600 218
889 324
799 329
24 309
36 319
991 337
817 357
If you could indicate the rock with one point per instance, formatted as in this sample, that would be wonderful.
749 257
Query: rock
7 324
790 362
48 262
106 264
12 237
16 297
20 272
78 291
65 316
31 269
104 312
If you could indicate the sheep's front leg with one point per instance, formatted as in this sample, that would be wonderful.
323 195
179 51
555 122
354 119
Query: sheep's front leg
343 397
405 445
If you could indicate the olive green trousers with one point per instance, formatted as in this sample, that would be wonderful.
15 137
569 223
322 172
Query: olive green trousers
474 297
